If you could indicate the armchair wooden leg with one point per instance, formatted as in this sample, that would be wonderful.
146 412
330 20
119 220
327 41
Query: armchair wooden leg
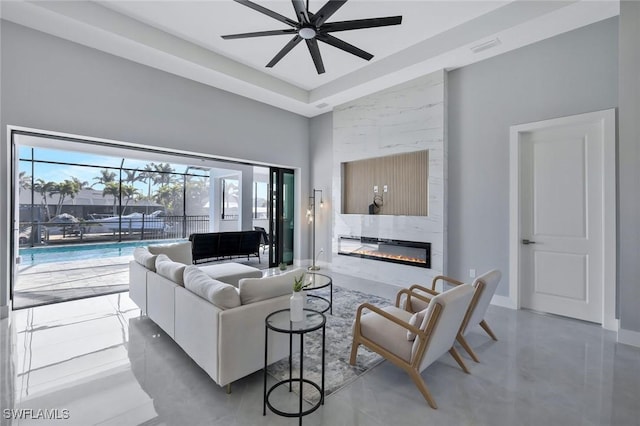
486 328
228 390
354 352
465 345
457 357
422 387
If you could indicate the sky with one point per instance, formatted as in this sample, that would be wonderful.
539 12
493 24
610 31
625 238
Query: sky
60 172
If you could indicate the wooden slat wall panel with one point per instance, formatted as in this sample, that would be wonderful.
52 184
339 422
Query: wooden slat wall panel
406 177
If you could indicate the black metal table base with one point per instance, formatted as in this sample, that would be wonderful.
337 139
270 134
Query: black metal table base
299 413
300 380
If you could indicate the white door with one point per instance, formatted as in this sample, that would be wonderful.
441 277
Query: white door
561 228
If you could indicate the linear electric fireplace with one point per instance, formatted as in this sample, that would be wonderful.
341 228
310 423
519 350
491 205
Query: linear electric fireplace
396 251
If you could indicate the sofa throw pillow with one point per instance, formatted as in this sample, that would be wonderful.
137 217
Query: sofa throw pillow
169 269
416 320
256 289
144 257
178 252
224 296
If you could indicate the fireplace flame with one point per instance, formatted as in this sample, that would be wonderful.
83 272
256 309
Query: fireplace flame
374 253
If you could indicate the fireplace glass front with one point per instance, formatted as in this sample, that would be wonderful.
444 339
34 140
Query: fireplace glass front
412 253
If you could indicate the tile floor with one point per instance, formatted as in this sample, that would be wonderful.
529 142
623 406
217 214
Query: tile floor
106 365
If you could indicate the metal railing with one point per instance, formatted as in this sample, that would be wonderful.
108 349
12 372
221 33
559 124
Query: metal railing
114 229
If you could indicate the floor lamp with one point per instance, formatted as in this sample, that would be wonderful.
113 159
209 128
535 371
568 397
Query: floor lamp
311 217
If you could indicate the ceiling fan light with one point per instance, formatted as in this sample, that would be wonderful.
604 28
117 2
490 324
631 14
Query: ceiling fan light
307 33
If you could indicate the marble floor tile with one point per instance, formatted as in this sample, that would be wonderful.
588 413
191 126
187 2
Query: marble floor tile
108 365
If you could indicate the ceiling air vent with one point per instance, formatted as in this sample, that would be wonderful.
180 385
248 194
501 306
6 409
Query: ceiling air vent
485 45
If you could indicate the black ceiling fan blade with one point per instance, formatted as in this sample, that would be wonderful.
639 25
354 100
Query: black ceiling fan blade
343 45
286 49
301 11
268 12
326 11
312 44
359 24
260 34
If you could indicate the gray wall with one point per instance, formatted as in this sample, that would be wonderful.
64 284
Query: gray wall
569 74
321 154
52 84
628 164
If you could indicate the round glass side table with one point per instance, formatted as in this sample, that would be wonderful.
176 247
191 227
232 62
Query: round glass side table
280 322
315 281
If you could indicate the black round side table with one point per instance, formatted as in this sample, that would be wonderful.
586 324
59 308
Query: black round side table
280 322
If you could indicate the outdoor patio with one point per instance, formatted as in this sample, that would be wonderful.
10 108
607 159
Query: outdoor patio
47 283
55 282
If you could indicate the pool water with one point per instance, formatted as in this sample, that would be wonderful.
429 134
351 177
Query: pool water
38 255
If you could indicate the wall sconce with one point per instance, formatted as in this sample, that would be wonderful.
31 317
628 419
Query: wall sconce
311 218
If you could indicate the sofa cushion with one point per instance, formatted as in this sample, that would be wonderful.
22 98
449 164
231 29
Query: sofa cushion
231 273
178 252
257 289
224 296
169 269
144 257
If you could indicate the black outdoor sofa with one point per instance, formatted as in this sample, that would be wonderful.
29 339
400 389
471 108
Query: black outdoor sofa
218 245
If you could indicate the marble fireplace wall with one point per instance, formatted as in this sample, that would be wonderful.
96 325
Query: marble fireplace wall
405 118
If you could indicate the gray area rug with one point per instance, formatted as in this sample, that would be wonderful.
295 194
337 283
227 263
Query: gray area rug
338 372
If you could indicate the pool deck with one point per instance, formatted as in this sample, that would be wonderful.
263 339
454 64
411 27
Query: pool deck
52 282
46 283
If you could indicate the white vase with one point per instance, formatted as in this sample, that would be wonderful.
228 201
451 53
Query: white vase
296 306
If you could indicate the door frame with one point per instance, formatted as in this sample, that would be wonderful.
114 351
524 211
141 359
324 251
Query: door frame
609 240
276 231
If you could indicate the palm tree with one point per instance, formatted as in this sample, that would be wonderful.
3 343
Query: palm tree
24 181
133 176
81 184
128 191
68 188
164 173
170 197
45 188
106 177
113 189
148 176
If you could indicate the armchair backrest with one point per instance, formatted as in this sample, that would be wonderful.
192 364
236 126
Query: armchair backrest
490 282
442 322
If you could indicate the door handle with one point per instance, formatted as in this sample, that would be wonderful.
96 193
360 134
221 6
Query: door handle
527 242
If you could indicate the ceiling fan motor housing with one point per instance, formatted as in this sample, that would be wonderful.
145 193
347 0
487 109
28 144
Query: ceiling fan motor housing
307 33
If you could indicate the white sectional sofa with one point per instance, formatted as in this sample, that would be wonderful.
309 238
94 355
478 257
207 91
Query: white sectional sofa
219 325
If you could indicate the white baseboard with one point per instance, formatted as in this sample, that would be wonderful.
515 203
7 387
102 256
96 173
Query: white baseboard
613 324
629 337
503 301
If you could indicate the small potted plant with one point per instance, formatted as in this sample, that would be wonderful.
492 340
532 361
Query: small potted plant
282 266
296 301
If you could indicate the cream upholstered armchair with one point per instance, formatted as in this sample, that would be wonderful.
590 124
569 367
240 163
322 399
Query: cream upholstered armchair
414 341
485 286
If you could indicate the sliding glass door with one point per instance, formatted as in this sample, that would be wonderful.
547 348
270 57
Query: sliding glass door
281 216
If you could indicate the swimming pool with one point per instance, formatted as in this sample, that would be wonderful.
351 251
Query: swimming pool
38 255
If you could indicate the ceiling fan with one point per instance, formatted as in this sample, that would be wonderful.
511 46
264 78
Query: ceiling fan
312 27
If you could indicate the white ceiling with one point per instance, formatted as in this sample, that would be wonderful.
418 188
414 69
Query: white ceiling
183 37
